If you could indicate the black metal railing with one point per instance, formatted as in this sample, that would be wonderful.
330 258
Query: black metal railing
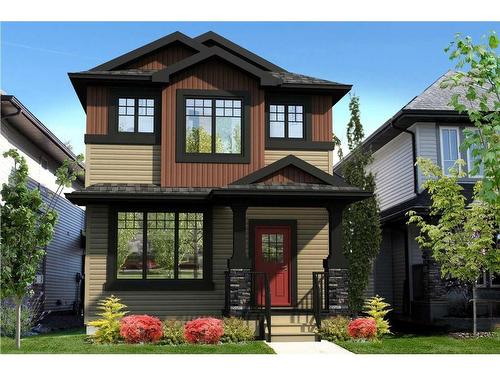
320 295
259 304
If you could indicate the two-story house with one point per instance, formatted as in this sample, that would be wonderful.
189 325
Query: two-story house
58 283
405 275
209 186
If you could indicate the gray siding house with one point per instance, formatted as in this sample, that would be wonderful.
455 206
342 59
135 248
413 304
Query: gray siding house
402 273
59 280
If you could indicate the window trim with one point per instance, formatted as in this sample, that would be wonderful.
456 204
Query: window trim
469 158
184 157
113 283
457 129
286 129
133 138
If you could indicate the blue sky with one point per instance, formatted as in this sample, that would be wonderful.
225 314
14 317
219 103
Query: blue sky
388 63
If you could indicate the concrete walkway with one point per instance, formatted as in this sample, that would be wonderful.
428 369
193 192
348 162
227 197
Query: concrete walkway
322 347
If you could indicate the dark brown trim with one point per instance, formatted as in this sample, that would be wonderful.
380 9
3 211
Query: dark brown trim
300 145
252 223
292 160
164 75
148 48
180 150
114 136
237 50
112 283
289 143
239 259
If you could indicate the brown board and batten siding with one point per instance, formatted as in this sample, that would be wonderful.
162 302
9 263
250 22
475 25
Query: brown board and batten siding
322 120
210 75
289 175
312 243
178 304
97 110
133 164
161 58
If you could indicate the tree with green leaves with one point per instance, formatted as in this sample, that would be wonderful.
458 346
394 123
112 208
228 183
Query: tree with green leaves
27 227
461 236
477 82
361 220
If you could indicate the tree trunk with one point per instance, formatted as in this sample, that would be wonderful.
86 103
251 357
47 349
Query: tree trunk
474 311
18 324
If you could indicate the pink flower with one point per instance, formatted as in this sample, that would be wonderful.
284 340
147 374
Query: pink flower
141 328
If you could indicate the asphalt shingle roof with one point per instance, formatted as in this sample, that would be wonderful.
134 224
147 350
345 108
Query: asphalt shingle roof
295 78
141 189
436 98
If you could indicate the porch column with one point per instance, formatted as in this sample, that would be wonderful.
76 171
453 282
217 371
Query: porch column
336 264
239 265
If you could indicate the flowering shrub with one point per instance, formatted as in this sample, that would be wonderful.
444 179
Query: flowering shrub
141 328
362 328
203 331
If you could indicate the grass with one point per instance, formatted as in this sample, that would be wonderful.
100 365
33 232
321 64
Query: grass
413 344
73 342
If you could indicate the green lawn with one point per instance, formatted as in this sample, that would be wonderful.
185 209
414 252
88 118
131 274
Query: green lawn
413 344
74 343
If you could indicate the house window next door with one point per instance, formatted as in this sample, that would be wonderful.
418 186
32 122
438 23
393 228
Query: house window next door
272 256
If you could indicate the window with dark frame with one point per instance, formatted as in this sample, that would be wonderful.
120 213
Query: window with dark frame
286 121
159 245
136 115
213 126
272 247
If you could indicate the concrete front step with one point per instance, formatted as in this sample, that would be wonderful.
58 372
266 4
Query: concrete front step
305 337
279 319
293 329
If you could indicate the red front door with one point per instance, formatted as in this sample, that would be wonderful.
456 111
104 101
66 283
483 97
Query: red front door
272 256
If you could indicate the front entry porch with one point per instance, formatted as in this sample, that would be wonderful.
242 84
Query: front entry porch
279 264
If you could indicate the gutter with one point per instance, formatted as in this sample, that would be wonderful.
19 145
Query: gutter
8 98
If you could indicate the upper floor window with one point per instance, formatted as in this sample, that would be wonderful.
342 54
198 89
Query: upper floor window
449 140
212 126
136 115
286 121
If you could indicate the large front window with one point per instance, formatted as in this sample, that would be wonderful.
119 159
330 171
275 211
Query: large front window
213 126
160 245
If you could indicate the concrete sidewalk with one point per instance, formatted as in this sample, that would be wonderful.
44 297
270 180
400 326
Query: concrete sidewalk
321 347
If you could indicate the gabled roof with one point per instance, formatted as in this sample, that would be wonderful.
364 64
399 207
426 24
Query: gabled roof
204 47
266 79
148 48
432 105
292 160
210 38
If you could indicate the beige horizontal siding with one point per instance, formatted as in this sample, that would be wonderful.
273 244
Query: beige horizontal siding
312 243
179 304
122 164
320 159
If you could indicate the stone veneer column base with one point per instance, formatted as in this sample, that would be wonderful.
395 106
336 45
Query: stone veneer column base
240 285
338 291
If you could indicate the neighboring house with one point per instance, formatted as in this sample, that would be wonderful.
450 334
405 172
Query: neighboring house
58 282
407 277
209 186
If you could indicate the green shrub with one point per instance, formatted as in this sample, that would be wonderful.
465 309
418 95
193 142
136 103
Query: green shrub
236 330
108 327
173 332
378 309
8 320
334 329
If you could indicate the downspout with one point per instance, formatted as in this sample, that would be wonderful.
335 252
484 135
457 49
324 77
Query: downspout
414 154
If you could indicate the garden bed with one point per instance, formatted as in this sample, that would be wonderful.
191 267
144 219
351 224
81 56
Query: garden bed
75 342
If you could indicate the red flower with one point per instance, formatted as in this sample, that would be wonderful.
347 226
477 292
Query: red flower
141 328
362 328
204 331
